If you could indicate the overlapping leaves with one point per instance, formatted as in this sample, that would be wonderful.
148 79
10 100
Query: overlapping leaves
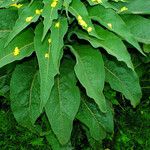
50 84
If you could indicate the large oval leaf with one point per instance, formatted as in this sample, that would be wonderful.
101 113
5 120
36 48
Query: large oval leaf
90 72
63 103
25 93
123 80
46 66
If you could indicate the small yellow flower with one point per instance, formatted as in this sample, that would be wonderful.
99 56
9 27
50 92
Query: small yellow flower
28 19
49 41
83 23
57 25
89 29
46 55
54 3
97 1
16 5
79 17
38 11
16 51
109 25
123 9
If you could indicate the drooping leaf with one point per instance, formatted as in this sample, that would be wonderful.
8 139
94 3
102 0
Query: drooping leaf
98 123
111 43
112 21
25 93
90 72
78 9
46 66
57 40
63 103
49 14
134 6
27 16
20 47
123 80
139 26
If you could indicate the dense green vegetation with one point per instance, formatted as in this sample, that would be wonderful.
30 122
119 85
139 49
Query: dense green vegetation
74 74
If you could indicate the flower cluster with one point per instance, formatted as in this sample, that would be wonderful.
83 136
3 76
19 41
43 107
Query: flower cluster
16 5
83 23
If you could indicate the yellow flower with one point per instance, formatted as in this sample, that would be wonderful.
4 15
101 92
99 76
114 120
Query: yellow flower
28 19
46 55
49 40
38 11
123 9
16 51
83 23
16 5
57 25
54 3
79 18
89 29
97 1
109 25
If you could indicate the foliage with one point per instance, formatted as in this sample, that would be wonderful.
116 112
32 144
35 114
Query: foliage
60 58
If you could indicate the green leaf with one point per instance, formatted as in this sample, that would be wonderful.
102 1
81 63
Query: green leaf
63 103
23 42
146 48
111 43
139 27
135 6
22 22
55 145
90 72
49 14
113 22
57 39
98 123
8 3
46 66
25 93
7 20
124 80
77 8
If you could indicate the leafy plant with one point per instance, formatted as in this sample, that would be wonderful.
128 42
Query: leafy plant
61 54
